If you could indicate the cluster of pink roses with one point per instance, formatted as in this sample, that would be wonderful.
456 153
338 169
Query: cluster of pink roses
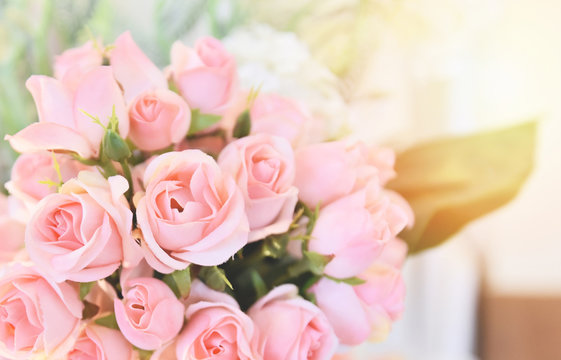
172 215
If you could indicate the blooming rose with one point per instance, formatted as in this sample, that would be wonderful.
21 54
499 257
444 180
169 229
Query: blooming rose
291 328
364 311
355 228
263 167
158 116
13 233
149 314
63 123
158 119
83 232
29 170
326 172
206 75
216 328
99 342
38 317
72 65
192 212
281 116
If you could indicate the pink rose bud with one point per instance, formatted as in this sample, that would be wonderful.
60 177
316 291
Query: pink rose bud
63 123
30 170
83 233
13 234
133 69
158 119
280 116
72 65
192 212
216 328
365 311
326 172
263 167
206 75
99 342
292 328
38 317
346 230
149 314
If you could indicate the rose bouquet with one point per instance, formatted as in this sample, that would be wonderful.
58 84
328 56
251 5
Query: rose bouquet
173 215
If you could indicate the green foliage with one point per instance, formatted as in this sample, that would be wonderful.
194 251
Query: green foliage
200 122
454 181
179 281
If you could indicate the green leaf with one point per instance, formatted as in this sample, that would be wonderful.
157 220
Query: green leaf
316 262
143 354
201 122
453 181
275 246
108 321
215 278
351 281
258 283
85 289
182 280
243 125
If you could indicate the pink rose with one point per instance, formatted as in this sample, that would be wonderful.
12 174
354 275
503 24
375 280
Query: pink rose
158 119
62 123
263 167
158 116
99 342
192 212
216 328
277 115
206 75
133 69
326 172
365 311
83 232
71 66
13 233
30 169
38 317
291 328
346 230
149 314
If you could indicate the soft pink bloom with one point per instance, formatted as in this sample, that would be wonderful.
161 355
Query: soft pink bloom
365 311
263 167
205 75
346 230
133 69
149 314
326 172
216 328
62 124
158 119
100 343
38 317
192 212
291 328
83 232
13 233
71 66
29 170
158 116
280 116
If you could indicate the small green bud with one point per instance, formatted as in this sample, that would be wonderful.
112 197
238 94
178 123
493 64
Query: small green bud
114 147
243 125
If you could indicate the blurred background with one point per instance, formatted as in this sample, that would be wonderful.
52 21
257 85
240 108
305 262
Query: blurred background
395 72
